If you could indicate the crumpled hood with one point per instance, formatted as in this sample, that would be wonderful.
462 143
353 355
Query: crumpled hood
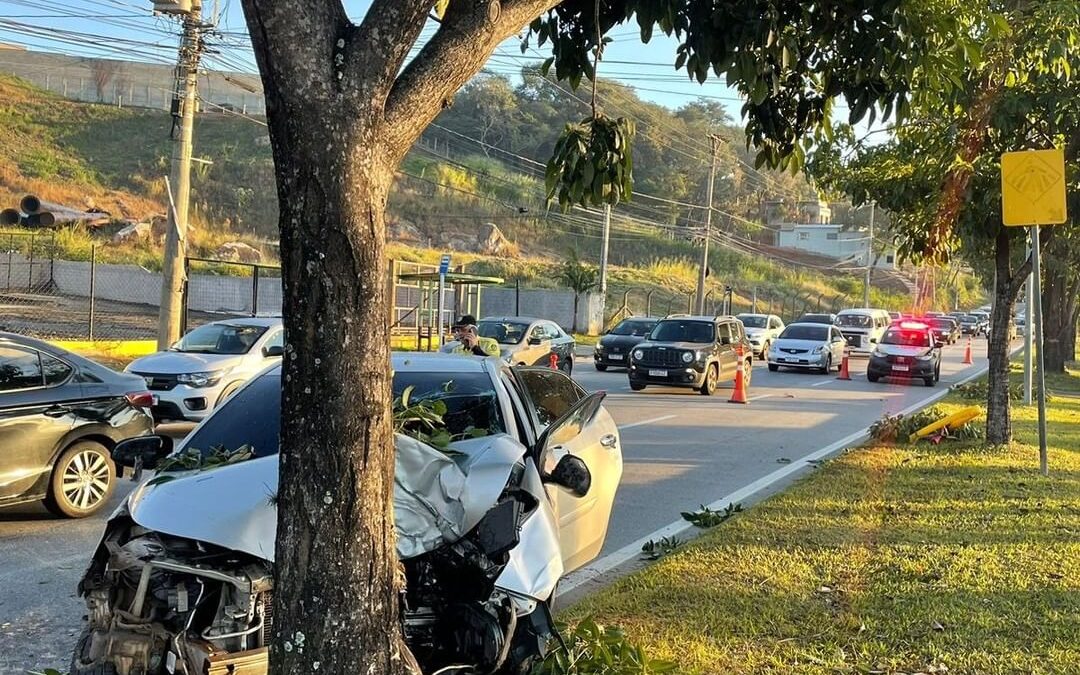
436 499
172 363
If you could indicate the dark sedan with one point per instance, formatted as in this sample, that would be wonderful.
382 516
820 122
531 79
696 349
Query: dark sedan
614 348
946 329
60 416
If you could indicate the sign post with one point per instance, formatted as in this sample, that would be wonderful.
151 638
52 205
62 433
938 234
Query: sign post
1033 194
444 267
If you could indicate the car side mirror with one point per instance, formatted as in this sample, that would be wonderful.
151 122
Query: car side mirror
534 341
142 452
273 350
572 474
873 340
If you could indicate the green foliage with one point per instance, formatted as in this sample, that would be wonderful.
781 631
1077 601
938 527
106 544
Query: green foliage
578 276
193 459
593 649
654 550
978 390
894 428
422 419
592 163
706 517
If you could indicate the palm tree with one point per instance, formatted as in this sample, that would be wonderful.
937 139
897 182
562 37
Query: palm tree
581 278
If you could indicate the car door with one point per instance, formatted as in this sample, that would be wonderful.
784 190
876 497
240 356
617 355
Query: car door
536 347
726 337
776 326
561 343
584 429
837 344
34 416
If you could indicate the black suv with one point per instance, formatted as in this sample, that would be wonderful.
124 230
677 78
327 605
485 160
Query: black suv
691 351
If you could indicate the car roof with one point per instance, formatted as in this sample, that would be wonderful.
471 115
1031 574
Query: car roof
810 324
435 362
515 319
698 317
267 321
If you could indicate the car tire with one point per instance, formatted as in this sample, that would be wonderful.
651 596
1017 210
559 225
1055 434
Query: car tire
88 470
827 368
773 367
228 391
871 377
637 386
601 368
708 386
765 351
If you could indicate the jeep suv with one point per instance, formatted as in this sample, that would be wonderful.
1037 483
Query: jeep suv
697 352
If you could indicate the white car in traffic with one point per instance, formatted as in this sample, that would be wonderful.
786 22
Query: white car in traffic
761 330
208 365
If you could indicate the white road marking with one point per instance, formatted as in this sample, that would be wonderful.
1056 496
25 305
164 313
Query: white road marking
683 529
644 422
759 397
824 382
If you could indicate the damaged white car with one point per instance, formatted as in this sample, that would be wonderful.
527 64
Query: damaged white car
182 580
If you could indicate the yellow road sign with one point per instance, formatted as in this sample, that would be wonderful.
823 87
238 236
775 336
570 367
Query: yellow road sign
1033 187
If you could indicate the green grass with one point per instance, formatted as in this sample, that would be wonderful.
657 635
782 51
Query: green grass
888 559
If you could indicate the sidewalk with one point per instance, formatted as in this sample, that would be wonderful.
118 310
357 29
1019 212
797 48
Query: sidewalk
954 558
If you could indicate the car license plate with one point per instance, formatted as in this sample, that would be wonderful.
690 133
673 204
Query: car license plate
900 369
615 357
657 373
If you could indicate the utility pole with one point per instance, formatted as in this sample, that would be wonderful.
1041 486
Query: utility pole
869 257
604 263
184 102
714 141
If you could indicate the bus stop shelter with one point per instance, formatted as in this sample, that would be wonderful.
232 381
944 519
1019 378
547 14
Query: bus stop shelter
465 288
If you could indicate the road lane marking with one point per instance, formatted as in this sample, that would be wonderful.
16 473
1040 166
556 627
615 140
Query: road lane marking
644 422
759 397
824 382
683 529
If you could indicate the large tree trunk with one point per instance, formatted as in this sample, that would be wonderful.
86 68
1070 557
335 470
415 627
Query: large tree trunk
1059 300
998 405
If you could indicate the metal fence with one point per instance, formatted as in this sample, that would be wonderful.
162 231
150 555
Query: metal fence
730 300
219 289
45 295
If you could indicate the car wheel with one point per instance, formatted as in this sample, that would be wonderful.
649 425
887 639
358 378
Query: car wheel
773 367
929 381
765 351
827 368
82 480
227 392
871 377
635 386
708 387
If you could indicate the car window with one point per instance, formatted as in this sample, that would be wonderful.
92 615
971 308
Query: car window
855 320
837 335
220 338
55 370
907 338
751 321
551 393
634 327
552 331
737 331
19 369
470 399
276 340
774 323
680 330
806 332
723 333
503 332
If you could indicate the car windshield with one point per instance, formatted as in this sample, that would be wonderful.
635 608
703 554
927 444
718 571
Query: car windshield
220 338
797 332
632 327
676 330
503 332
941 323
969 319
855 320
753 321
906 338
252 417
816 318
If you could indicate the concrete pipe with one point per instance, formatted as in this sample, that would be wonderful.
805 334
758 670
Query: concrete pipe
43 219
10 217
30 204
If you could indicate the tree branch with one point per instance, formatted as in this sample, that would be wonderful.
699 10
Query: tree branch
378 47
294 49
470 32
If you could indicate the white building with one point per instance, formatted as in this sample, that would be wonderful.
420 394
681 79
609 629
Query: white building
829 239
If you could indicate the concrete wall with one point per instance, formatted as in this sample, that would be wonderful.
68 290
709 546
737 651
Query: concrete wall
554 304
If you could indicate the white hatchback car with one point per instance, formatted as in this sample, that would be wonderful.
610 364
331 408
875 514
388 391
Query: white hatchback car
762 330
208 364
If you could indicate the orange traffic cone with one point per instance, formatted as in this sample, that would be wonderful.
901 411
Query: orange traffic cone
553 361
845 374
967 354
738 395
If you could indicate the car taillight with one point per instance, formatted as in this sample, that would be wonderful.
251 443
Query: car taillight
140 399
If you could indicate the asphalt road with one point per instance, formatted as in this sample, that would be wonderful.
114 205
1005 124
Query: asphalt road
680 450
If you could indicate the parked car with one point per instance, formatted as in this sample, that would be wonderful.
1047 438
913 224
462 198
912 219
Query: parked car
984 320
525 341
761 330
862 328
483 536
692 351
946 329
827 319
907 351
970 325
808 345
60 416
208 365
613 349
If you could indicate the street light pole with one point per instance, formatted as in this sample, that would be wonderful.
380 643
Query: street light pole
869 257
604 263
703 272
